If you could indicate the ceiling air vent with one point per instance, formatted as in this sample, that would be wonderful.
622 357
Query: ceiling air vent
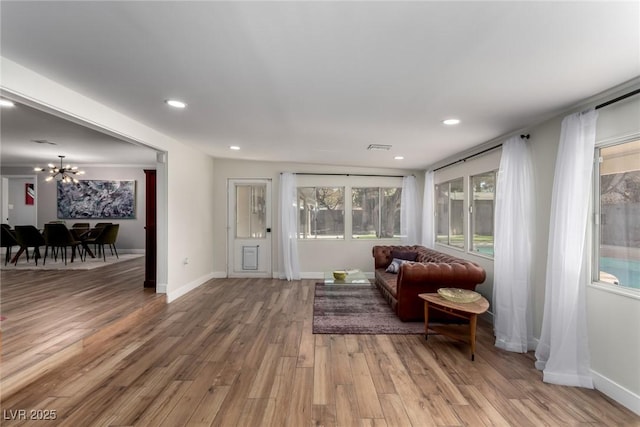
379 147
43 141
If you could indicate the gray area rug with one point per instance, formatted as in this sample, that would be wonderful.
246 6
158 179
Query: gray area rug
356 309
51 264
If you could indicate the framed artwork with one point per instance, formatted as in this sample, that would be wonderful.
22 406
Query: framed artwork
94 199
29 193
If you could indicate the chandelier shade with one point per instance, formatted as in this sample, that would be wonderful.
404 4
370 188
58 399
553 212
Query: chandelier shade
61 173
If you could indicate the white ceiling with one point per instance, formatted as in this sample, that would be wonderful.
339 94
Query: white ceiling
317 82
21 126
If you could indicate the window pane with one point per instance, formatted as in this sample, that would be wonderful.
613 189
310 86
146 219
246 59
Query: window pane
365 212
251 213
619 255
482 213
321 212
390 212
442 213
456 209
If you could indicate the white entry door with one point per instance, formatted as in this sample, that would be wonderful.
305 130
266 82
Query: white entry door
249 228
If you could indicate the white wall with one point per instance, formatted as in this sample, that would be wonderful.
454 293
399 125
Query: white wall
19 212
131 232
185 223
315 256
613 313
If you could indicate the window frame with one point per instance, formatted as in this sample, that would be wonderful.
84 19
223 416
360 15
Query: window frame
464 225
596 220
347 207
380 190
300 233
472 214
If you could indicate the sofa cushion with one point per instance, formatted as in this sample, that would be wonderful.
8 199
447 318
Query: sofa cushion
388 281
405 255
394 267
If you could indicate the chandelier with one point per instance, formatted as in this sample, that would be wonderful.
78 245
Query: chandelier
62 173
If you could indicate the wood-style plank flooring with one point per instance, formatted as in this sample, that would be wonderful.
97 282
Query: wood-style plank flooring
240 352
52 315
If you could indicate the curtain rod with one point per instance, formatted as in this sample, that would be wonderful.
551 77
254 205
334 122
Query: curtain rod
347 174
597 107
525 136
620 98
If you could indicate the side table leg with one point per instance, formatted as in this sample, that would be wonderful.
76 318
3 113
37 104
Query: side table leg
472 334
426 320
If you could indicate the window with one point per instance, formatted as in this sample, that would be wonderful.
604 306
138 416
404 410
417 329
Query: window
482 211
251 214
450 213
321 212
618 205
375 212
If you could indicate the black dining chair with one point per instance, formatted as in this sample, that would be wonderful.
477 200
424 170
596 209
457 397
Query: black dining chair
8 241
90 237
27 237
108 237
59 238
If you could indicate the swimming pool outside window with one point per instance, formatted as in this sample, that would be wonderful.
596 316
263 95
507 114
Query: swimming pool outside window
617 209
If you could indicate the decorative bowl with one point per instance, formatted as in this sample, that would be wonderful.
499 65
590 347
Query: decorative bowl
459 295
339 274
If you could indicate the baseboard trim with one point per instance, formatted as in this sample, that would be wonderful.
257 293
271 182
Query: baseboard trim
184 289
617 392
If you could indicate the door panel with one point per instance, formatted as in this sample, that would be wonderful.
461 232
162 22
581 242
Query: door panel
249 228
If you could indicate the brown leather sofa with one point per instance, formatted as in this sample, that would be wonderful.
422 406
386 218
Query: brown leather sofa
430 271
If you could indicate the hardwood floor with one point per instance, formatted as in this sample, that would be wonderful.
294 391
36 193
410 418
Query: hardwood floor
50 316
240 352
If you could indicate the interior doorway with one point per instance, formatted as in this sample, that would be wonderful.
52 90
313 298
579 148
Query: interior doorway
18 201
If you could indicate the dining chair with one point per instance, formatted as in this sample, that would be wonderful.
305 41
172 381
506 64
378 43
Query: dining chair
80 225
27 237
8 241
90 237
58 238
108 237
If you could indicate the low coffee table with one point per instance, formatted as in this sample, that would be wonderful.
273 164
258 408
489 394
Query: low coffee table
468 311
353 277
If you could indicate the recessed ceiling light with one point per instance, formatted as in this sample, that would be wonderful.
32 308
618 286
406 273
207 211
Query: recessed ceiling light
234 147
399 157
175 103
6 103
451 122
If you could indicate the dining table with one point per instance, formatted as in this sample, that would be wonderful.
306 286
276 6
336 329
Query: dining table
81 234
78 233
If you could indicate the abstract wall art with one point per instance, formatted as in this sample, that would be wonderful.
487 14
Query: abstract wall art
94 199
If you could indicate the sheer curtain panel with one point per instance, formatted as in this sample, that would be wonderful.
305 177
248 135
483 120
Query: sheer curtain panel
513 248
428 212
563 351
288 226
409 212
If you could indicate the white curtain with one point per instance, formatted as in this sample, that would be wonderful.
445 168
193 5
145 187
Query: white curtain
409 212
428 211
563 351
513 249
288 224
